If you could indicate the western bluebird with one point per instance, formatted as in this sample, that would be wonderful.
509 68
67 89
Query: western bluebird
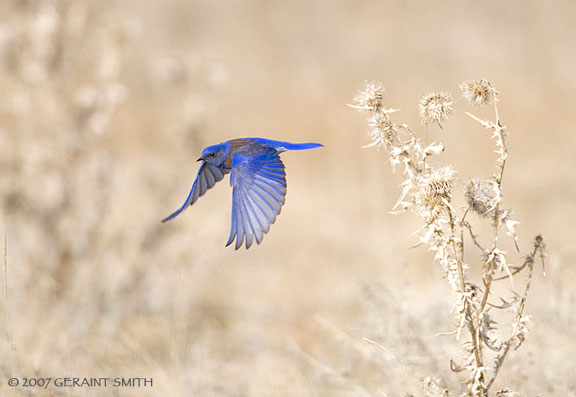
258 181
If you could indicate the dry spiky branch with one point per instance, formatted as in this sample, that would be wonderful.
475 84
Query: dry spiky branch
427 191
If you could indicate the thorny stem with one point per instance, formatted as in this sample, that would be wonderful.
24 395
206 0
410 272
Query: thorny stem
414 167
458 258
501 166
462 233
538 246
504 155
529 259
487 285
474 325
472 235
467 225
488 271
474 335
516 270
425 143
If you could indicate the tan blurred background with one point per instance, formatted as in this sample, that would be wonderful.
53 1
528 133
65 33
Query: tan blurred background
104 107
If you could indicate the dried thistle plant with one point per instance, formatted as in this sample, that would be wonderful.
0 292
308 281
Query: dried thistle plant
436 108
482 196
478 92
428 191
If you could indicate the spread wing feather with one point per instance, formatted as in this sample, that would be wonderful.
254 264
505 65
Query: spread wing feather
207 177
259 189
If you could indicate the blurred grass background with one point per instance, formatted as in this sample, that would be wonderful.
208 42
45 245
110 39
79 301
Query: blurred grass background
104 106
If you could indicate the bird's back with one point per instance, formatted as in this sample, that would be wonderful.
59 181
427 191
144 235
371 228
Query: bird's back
279 146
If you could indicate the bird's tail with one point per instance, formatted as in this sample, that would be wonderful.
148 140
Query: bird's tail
300 146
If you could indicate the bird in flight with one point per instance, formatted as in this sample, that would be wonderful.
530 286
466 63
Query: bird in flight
258 183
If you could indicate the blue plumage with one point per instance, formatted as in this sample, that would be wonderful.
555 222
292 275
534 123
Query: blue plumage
257 178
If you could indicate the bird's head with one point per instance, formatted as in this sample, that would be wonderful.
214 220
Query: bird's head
214 155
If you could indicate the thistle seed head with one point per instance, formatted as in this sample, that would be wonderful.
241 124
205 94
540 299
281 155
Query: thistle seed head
434 191
482 196
478 92
370 98
436 107
381 129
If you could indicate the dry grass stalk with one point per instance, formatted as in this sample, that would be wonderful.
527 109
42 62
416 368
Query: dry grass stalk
68 104
428 191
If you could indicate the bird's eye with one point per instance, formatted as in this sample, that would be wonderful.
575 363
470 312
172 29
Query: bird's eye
212 154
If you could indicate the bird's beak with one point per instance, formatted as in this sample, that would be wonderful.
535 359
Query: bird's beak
200 159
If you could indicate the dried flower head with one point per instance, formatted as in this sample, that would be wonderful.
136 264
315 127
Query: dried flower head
478 92
482 196
436 107
381 129
434 191
371 97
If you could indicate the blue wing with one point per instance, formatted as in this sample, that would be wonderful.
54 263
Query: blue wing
259 189
207 177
